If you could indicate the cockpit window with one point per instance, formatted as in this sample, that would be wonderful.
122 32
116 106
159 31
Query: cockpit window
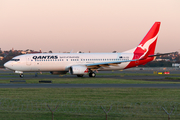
15 60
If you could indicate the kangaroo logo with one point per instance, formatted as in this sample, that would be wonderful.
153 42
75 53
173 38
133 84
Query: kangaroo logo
141 46
145 47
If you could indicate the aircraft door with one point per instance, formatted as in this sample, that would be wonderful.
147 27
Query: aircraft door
28 61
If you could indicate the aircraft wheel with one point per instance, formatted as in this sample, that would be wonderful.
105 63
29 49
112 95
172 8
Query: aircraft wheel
79 75
92 74
21 75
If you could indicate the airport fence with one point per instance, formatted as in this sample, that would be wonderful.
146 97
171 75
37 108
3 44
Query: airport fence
97 109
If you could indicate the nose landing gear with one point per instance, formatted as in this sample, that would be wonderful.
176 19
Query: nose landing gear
21 75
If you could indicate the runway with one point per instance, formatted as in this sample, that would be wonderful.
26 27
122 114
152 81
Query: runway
149 77
89 85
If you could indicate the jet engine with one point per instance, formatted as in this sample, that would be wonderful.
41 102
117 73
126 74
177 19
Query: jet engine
58 72
78 70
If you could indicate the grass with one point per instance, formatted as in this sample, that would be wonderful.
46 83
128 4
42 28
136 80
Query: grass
89 94
172 78
90 81
88 101
62 116
99 81
84 103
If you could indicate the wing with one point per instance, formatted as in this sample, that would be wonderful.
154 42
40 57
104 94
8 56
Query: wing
106 64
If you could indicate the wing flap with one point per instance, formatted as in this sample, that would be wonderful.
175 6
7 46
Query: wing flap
93 67
104 65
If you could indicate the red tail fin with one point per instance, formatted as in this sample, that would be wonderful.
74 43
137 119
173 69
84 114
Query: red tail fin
145 48
148 44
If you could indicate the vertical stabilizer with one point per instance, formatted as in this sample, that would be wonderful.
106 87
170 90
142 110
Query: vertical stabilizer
148 44
145 48
149 41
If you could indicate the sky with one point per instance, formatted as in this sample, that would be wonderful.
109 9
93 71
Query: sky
87 25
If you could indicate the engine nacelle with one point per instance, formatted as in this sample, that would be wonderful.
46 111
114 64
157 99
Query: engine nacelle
58 72
78 70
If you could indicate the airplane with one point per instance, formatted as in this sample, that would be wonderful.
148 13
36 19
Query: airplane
87 63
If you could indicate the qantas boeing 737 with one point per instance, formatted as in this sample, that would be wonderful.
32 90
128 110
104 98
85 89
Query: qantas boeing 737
87 63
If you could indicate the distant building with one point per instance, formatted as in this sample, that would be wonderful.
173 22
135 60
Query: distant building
23 52
177 65
1 57
30 51
12 49
162 60
36 51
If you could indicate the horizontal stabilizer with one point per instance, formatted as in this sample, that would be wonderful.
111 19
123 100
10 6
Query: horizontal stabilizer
161 54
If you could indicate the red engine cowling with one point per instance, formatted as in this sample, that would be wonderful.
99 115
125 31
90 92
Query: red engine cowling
78 70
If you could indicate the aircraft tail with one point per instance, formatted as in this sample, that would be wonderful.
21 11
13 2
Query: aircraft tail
147 46
144 52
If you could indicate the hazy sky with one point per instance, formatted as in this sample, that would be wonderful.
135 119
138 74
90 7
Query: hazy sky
87 25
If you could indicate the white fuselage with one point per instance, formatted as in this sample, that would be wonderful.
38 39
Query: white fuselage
62 61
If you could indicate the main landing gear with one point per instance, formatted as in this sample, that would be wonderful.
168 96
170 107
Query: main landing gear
21 75
92 74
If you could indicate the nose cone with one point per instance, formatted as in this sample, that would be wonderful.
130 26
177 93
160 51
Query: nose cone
7 65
